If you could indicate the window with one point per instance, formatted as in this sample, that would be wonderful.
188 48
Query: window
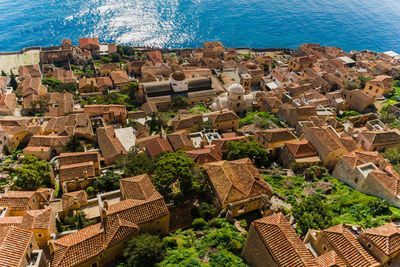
324 248
369 245
239 97
356 180
39 235
370 87
238 105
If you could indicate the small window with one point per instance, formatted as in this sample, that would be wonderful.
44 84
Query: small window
238 104
242 209
39 235
324 248
239 97
369 245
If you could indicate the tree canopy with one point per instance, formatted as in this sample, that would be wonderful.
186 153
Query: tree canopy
312 213
144 250
177 176
107 182
135 164
179 101
251 150
73 145
33 174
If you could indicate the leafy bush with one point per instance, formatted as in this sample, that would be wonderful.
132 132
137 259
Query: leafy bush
144 250
107 182
199 223
89 190
205 211
312 213
33 174
251 150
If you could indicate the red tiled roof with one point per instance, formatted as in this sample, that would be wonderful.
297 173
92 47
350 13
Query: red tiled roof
236 180
139 211
14 244
10 221
205 155
347 246
277 135
385 237
282 241
179 140
17 200
138 187
38 219
158 146
301 149
330 259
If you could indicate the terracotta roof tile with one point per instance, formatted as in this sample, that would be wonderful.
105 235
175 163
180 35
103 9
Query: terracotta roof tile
330 259
180 140
385 237
138 187
38 219
14 243
301 149
277 135
281 239
236 180
347 247
158 146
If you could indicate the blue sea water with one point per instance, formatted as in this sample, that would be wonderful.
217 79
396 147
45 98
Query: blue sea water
350 24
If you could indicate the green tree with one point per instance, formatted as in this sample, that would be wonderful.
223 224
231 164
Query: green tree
13 82
80 221
352 85
67 87
135 164
53 84
108 182
144 250
311 213
106 60
33 174
73 145
3 73
174 172
251 150
179 101
59 225
131 90
115 57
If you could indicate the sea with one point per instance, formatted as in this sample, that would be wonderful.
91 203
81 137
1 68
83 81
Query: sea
350 24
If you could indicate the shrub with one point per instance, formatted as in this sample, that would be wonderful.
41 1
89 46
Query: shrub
205 211
144 250
170 242
199 224
89 190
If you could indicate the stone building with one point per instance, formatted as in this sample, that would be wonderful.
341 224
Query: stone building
224 120
272 241
327 143
235 99
273 138
238 187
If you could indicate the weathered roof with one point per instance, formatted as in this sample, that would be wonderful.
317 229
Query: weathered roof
236 180
158 146
38 219
277 135
347 246
138 187
180 140
222 116
14 243
282 241
301 149
330 259
385 237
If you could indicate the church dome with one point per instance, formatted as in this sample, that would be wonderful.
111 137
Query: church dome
236 89
178 76
250 66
